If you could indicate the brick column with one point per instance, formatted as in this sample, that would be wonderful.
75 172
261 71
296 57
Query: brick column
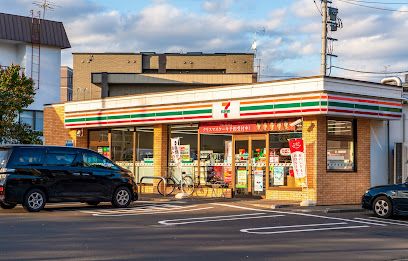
315 145
160 148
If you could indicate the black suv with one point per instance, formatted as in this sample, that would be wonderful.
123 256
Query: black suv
33 175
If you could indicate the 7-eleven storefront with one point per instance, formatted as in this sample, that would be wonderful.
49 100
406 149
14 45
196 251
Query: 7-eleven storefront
244 136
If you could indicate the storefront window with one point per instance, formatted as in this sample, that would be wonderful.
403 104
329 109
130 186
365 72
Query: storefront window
99 142
122 145
341 145
215 158
188 136
280 162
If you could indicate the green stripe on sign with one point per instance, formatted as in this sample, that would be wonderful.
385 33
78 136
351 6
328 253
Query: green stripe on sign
323 103
257 107
366 107
169 113
341 104
287 105
390 109
311 103
197 111
142 115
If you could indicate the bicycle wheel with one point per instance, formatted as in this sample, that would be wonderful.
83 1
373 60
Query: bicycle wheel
188 185
170 186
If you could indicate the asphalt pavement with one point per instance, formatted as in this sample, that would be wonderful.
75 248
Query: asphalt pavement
198 230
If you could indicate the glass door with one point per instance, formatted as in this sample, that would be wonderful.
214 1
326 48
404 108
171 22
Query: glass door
250 164
258 165
242 166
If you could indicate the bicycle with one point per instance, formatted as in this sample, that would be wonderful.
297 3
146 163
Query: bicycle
187 186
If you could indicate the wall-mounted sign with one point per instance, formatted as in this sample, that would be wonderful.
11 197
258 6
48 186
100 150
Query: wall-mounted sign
278 176
298 157
226 110
247 126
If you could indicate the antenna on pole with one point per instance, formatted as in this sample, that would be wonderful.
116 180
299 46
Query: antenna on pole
254 48
45 5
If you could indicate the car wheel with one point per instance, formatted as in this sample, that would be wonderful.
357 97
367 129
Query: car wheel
93 203
382 207
122 197
34 200
5 205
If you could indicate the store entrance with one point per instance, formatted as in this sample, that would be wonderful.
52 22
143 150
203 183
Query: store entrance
250 164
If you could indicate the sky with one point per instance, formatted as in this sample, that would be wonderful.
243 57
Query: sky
287 32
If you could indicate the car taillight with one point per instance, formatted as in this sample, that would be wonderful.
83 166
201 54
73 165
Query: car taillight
1 190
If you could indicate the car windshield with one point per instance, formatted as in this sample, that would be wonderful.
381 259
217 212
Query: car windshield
3 157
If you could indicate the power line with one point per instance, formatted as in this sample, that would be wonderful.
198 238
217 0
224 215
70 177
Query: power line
317 7
374 7
377 2
367 72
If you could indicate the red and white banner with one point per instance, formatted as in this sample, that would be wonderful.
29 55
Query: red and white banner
247 126
297 153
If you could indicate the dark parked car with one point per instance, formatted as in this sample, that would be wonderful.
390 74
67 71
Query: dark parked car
34 175
387 200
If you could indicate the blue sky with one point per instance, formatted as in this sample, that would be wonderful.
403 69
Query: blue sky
288 38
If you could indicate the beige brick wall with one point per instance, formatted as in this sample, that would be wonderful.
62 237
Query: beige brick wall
345 188
55 132
86 64
160 150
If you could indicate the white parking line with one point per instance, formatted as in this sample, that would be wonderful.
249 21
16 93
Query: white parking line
298 214
372 219
184 221
148 213
136 209
248 230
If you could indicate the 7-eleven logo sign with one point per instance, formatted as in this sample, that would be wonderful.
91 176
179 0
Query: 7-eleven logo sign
226 110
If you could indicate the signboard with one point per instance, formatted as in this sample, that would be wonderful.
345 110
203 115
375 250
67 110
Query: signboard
242 178
175 150
278 175
258 180
284 151
69 143
247 126
297 153
226 110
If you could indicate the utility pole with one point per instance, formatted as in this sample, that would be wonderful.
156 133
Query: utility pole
323 65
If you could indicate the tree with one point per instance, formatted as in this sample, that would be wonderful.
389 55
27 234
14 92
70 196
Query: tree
16 93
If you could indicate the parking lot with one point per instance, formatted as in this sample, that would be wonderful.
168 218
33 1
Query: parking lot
199 230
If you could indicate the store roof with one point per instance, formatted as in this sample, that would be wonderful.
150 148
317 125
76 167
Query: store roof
19 28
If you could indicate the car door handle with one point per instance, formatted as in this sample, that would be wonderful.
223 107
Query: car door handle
86 174
76 174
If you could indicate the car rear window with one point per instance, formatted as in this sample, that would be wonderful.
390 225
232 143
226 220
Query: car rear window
4 154
27 157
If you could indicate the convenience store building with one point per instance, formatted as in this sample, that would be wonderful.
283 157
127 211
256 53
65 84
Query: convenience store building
240 135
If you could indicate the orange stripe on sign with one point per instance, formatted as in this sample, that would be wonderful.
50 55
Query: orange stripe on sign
99 113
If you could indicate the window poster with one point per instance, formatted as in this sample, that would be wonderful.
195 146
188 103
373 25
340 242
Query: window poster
279 176
242 178
185 152
258 180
